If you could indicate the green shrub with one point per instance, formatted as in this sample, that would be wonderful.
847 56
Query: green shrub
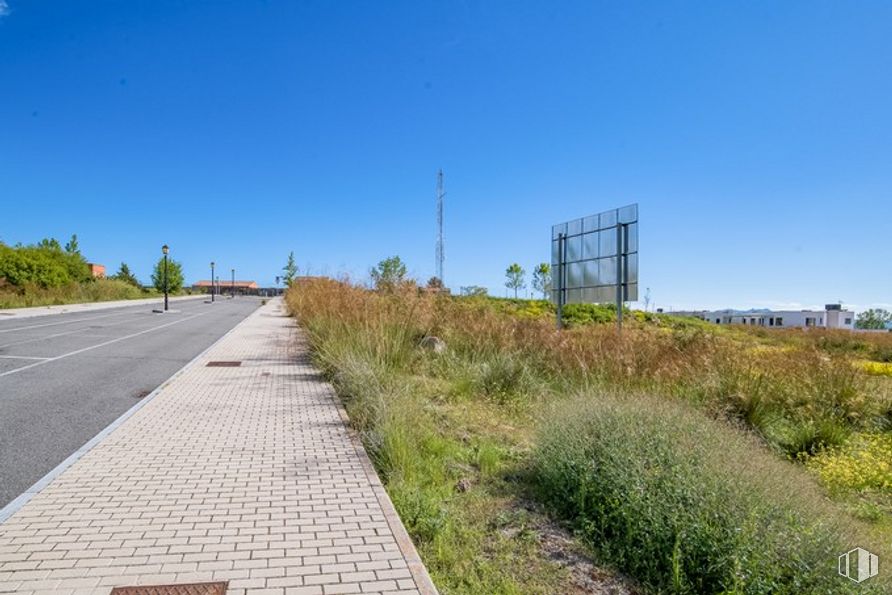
45 265
686 504
578 314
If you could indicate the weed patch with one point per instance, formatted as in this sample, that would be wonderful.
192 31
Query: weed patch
677 490
685 504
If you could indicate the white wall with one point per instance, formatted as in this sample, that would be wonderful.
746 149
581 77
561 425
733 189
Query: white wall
838 318
790 318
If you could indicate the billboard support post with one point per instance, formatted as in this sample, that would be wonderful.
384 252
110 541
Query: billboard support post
560 281
620 275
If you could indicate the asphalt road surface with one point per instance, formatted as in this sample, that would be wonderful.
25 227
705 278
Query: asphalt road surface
63 378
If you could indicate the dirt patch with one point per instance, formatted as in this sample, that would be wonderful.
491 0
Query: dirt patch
558 545
585 575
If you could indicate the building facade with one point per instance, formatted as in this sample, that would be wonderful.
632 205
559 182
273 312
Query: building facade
833 316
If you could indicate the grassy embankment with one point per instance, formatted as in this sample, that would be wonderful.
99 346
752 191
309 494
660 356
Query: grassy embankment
98 290
45 274
689 458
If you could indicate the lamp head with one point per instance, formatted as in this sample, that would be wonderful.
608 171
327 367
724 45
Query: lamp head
165 249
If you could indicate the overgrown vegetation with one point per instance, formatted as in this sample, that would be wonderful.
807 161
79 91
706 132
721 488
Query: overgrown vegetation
684 504
98 290
468 440
47 274
45 264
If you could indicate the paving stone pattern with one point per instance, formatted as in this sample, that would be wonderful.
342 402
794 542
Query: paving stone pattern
243 474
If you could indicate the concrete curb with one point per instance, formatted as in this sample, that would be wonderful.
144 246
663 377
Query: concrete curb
10 509
20 313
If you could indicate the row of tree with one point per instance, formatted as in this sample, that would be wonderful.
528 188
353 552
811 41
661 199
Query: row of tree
515 278
392 272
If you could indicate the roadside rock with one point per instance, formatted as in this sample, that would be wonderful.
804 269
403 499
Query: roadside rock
435 344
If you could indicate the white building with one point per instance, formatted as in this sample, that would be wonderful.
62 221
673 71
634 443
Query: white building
833 316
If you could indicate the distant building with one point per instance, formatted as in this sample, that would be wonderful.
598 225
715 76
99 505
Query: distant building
227 287
97 270
832 316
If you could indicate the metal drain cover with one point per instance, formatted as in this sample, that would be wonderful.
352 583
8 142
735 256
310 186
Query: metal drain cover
220 364
185 589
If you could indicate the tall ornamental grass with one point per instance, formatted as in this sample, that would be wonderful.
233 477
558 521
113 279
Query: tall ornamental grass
688 505
800 399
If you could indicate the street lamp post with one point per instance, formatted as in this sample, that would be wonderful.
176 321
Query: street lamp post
233 282
212 282
165 250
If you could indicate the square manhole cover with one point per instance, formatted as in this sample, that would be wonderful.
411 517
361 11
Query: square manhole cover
185 589
221 364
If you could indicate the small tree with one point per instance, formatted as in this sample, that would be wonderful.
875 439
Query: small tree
389 274
514 278
72 246
875 318
290 270
174 275
125 275
50 244
542 279
434 283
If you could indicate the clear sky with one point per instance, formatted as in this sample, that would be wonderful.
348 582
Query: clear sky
756 137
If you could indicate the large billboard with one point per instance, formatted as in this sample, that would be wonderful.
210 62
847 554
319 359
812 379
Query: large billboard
595 259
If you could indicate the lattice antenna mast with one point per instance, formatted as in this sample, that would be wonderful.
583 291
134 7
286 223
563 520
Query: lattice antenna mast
441 247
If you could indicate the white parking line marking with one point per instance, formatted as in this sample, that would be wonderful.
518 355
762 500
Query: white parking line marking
21 357
24 328
77 330
70 353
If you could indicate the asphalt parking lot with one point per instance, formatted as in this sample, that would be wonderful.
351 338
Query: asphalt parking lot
65 377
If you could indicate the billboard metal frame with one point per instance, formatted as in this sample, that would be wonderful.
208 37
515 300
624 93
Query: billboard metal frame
620 285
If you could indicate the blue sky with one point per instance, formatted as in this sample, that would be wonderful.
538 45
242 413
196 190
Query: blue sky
756 137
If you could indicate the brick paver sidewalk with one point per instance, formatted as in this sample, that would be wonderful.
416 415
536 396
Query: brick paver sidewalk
242 474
